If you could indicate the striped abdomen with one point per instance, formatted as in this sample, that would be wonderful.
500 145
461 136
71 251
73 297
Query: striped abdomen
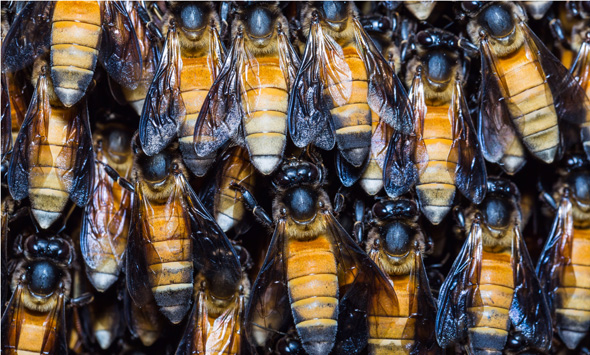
196 79
436 184
490 320
372 179
108 214
75 39
229 207
51 166
392 335
572 299
265 102
169 257
313 292
530 103
352 121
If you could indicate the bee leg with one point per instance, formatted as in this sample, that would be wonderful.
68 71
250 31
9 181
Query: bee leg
340 200
557 30
459 217
546 197
126 184
156 11
85 299
358 230
259 213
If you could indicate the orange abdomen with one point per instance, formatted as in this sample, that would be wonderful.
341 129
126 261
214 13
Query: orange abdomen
372 179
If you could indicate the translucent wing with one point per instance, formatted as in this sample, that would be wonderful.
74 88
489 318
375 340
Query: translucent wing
460 291
348 173
529 312
288 59
387 96
28 36
268 310
581 72
29 140
13 319
120 53
54 338
80 136
6 121
470 174
163 107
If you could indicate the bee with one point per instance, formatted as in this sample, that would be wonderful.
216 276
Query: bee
492 291
77 34
396 244
191 60
53 158
525 91
171 234
145 323
34 321
105 225
251 94
447 153
580 69
313 270
343 79
229 209
563 262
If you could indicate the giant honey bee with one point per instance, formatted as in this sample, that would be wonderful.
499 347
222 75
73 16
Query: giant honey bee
313 270
447 153
252 91
53 159
563 264
343 79
396 244
105 225
34 321
525 91
78 33
192 58
171 234
492 293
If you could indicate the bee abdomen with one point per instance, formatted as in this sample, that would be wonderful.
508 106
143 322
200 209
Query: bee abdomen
30 338
75 38
372 179
313 292
531 104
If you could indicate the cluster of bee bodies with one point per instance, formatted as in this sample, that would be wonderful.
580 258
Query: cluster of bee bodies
138 138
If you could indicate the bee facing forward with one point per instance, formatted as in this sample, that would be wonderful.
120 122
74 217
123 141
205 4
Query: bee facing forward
492 294
78 33
563 264
313 270
251 93
525 93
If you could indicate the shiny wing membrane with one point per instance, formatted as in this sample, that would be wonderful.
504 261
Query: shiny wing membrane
80 136
288 60
6 121
460 291
348 173
163 107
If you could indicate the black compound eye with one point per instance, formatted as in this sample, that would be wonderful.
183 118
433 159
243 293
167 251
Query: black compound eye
497 20
335 10
157 167
471 6
36 245
259 22
53 248
380 210
580 185
192 17
289 346
43 277
424 38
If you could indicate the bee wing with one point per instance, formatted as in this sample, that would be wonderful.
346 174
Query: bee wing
163 107
460 291
580 70
288 60
221 113
268 311
135 260
54 338
12 319
6 121
386 96
360 281
422 309
28 140
214 254
380 141
400 173
495 130
557 251
28 36
323 75
120 53
137 318
79 129
471 175
529 312
348 173
194 339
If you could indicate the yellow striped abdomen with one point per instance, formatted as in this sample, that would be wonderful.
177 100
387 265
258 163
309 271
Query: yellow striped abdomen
392 335
32 332
75 38
196 79
436 184
51 166
265 102
352 121
169 258
313 292
530 102
572 299
491 320
372 179
229 207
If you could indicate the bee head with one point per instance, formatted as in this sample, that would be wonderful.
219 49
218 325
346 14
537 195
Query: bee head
299 181
577 177
46 256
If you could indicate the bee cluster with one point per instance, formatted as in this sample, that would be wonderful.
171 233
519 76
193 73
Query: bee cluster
295 178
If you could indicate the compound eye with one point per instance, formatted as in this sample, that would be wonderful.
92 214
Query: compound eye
470 6
424 38
380 210
35 245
